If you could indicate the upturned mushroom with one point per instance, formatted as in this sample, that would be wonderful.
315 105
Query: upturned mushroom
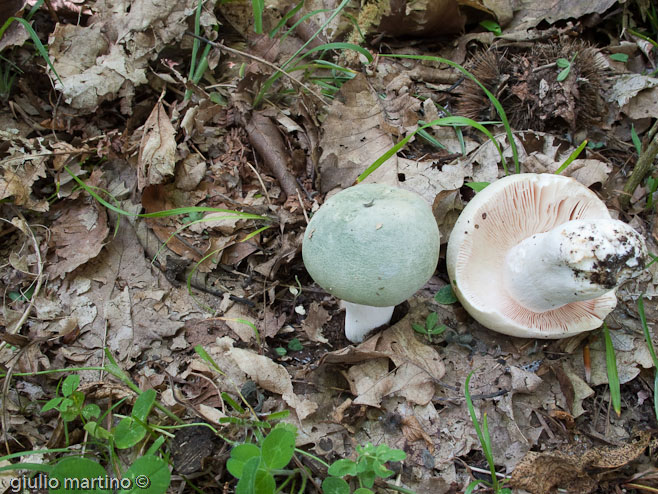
539 256
372 246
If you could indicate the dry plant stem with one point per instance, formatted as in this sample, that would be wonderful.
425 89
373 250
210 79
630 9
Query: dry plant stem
39 277
222 46
52 11
641 170
266 139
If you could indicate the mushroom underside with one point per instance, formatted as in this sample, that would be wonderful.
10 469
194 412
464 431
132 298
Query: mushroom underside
497 223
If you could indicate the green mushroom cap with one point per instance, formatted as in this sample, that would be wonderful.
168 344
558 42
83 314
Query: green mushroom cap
372 244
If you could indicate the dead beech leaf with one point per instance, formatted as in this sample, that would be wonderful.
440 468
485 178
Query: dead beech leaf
446 209
528 14
586 171
352 138
418 366
312 325
422 18
110 56
370 382
413 431
157 151
272 377
572 469
26 164
77 234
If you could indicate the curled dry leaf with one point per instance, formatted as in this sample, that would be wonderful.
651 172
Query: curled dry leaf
272 377
418 366
24 166
529 14
157 151
315 320
77 234
353 137
574 468
109 57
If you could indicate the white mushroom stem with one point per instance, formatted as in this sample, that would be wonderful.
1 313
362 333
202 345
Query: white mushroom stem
577 260
361 319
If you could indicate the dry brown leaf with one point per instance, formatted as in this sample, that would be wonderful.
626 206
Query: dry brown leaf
77 234
352 138
418 366
530 13
157 150
26 163
413 431
110 55
190 171
572 469
316 318
272 377
446 209
370 382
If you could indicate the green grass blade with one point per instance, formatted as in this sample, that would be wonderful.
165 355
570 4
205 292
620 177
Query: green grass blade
302 19
34 9
492 98
255 232
645 329
35 39
430 138
285 18
636 140
201 352
449 121
258 6
261 93
341 46
571 157
611 366
163 214
652 351
485 440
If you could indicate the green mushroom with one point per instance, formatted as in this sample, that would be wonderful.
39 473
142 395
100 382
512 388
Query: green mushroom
372 246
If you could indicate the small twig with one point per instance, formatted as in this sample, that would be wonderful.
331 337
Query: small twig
641 170
542 67
480 470
222 46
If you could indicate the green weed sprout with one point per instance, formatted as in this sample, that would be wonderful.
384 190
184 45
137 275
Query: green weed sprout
482 432
71 404
77 474
565 65
369 465
431 327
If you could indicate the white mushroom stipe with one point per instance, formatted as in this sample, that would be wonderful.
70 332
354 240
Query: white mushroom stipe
372 246
578 260
360 319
